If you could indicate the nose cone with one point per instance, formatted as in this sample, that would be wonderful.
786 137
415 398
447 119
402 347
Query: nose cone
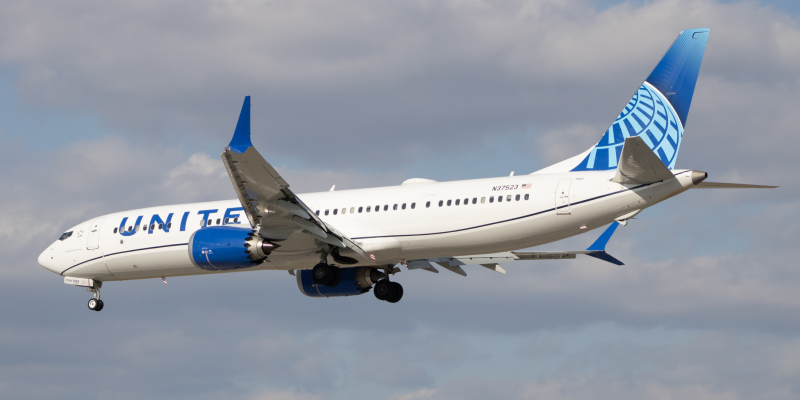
47 260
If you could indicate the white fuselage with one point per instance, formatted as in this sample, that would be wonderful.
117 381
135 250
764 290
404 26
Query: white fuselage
390 223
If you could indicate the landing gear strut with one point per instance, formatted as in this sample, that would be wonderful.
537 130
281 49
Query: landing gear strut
95 304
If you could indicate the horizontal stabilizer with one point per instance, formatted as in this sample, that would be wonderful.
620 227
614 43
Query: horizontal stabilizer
638 165
720 185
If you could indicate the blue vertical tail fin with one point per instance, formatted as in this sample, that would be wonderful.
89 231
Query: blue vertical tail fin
658 110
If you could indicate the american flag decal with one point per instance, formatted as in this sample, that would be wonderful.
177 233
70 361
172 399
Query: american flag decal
526 185
372 256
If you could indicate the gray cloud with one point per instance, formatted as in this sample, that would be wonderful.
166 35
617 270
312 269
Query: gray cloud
397 78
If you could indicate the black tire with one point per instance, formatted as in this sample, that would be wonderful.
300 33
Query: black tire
337 277
99 305
93 303
398 293
322 274
384 290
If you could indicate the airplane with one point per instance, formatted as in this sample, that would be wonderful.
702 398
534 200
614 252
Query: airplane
348 242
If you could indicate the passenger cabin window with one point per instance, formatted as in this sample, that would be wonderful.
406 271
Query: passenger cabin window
169 224
404 206
386 207
352 210
65 235
369 208
508 198
428 204
115 230
483 200
130 228
377 208
360 209
517 198
458 201
413 205
466 201
449 202
441 203
327 211
395 207
344 211
317 213
499 199
335 211
217 221
491 199
527 196
474 200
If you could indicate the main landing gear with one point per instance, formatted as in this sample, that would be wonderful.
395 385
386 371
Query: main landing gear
388 291
327 275
95 304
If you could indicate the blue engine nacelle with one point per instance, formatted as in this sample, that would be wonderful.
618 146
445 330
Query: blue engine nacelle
221 248
357 280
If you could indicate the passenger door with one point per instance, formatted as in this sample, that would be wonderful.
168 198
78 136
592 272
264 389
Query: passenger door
93 238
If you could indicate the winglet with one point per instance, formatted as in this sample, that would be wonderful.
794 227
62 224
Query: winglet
241 136
598 248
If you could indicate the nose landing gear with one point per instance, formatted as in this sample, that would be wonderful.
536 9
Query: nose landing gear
95 304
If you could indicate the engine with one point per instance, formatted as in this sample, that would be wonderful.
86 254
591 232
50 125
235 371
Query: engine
221 248
357 280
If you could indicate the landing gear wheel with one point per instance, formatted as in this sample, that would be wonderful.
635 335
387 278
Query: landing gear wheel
398 293
324 274
384 290
95 304
337 277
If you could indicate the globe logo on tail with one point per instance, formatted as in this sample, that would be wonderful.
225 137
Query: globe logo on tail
648 115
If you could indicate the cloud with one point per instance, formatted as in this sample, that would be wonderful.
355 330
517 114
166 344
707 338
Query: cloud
402 79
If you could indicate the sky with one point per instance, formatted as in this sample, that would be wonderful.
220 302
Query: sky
108 106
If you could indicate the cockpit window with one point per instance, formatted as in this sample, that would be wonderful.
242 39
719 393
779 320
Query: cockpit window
65 235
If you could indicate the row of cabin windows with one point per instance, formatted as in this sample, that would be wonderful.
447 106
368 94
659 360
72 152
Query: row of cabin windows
483 200
368 209
427 204
169 225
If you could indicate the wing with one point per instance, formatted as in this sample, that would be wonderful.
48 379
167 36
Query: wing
491 261
271 207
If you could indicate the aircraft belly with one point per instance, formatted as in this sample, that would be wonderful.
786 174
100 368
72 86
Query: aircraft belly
504 236
150 263
94 269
